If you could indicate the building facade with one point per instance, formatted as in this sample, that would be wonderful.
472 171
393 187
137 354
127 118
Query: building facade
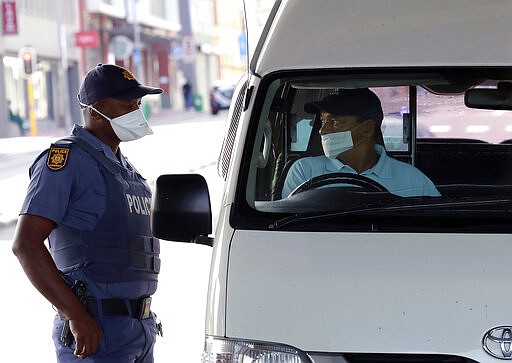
166 43
136 34
44 27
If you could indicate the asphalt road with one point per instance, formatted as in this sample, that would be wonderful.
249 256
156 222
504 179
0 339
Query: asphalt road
185 143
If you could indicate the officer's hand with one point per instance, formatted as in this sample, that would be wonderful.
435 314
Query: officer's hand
87 333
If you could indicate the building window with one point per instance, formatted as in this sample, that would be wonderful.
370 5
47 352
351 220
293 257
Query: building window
46 9
158 8
202 15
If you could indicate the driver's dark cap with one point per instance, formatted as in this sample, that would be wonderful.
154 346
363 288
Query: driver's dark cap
111 81
349 102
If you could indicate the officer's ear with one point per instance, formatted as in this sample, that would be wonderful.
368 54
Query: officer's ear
92 113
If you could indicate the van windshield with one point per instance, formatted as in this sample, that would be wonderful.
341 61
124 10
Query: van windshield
384 145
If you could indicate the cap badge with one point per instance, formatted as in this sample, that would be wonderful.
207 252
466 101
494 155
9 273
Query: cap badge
128 75
57 158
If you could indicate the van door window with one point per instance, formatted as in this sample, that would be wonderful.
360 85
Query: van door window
300 133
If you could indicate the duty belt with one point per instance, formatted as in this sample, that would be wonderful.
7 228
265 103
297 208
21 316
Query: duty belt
138 308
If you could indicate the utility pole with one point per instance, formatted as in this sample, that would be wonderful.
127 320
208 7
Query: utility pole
187 61
63 69
4 121
188 67
137 52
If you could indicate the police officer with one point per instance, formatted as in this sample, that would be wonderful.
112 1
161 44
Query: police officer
93 207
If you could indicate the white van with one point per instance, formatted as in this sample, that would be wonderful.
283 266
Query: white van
337 273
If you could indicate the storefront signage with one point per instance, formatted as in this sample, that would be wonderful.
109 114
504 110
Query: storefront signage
86 39
9 20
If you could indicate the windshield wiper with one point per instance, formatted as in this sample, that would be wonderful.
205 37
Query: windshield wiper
397 206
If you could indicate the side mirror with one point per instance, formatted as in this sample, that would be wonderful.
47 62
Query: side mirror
181 210
499 98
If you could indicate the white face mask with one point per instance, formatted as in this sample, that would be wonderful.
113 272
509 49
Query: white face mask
338 142
130 126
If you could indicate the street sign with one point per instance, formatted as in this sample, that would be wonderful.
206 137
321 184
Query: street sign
242 45
188 46
121 46
136 57
9 19
87 39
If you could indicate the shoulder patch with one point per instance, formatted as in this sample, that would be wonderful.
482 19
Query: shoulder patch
57 157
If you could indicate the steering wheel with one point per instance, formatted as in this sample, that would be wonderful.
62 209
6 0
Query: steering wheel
364 182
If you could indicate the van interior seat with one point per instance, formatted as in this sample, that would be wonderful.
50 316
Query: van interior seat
448 161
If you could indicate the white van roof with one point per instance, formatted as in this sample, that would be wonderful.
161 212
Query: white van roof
307 34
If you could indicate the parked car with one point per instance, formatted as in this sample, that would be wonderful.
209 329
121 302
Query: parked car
334 273
220 97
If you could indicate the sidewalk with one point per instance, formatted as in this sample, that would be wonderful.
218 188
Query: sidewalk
50 127
15 151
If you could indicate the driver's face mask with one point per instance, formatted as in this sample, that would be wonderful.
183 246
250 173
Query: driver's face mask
130 126
337 143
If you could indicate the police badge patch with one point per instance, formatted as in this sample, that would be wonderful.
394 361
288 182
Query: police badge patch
57 157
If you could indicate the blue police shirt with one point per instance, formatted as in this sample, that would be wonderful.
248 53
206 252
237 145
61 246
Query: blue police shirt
398 177
76 196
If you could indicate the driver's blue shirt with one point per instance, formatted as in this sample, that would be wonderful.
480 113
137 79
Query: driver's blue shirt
399 178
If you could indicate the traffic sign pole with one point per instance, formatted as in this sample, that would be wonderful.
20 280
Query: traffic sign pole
31 107
29 65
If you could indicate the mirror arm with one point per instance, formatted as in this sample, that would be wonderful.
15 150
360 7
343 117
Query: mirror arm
203 240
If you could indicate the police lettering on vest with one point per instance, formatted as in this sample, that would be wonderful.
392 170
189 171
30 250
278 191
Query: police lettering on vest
138 204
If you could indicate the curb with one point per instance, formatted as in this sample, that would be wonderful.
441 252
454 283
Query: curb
49 129
8 222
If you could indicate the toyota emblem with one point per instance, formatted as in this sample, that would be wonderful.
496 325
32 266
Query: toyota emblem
498 342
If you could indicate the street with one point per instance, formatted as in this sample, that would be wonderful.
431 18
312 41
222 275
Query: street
189 144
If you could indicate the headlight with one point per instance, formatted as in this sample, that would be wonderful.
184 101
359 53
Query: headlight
221 350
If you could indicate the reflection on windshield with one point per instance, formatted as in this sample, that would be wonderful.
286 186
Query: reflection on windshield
448 117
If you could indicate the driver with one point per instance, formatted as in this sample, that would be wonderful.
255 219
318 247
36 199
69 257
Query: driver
352 142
